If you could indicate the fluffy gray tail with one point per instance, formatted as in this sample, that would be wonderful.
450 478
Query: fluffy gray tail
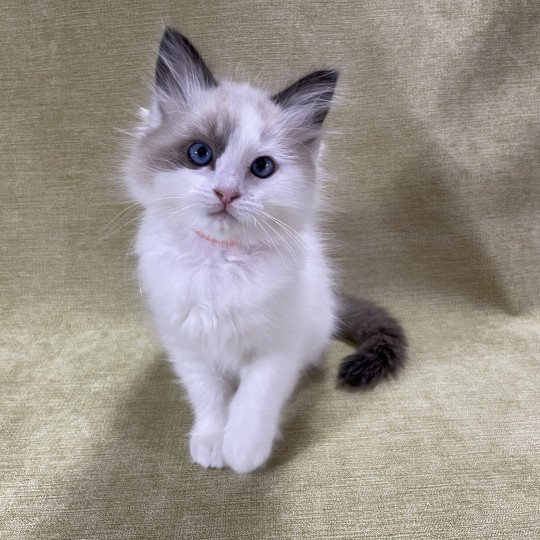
379 337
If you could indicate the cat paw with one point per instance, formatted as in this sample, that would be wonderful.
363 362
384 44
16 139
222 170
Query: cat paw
206 449
244 453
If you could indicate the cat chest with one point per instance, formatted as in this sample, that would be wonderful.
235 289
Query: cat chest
216 306
221 331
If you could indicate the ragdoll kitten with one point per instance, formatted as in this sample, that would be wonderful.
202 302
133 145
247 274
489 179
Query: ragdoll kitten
230 257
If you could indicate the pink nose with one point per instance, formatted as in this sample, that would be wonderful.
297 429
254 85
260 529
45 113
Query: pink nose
226 196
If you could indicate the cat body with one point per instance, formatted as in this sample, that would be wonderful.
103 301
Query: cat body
230 258
232 313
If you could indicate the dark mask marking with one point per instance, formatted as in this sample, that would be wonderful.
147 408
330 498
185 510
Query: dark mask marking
169 151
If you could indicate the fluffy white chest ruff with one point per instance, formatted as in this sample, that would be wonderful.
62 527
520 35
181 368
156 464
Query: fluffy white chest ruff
217 301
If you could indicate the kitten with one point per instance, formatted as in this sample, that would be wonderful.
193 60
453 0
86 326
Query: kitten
229 253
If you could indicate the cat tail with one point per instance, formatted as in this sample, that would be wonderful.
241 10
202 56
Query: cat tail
380 340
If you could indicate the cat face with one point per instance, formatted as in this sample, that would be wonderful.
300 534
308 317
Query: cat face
226 159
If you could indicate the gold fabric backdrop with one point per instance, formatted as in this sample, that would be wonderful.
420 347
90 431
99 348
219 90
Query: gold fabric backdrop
434 173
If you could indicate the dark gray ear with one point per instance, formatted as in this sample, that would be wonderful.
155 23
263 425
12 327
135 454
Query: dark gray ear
179 66
311 95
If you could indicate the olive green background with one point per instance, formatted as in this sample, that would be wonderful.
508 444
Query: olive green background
434 173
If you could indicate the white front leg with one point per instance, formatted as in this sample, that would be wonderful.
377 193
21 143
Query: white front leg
209 394
254 412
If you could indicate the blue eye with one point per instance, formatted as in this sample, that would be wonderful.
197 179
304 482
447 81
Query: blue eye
200 154
263 167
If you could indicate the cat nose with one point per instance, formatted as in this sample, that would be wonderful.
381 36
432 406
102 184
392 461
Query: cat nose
227 196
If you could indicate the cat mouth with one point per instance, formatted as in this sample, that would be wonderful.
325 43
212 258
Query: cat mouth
223 215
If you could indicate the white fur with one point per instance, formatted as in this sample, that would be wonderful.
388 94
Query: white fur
240 322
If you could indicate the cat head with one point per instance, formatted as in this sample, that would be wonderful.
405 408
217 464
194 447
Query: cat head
227 159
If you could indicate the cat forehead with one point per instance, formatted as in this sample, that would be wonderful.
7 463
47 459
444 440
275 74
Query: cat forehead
230 108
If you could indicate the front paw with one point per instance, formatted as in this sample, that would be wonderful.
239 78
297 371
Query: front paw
245 450
206 449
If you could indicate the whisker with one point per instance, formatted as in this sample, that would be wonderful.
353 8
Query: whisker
170 213
288 229
137 205
287 245
272 241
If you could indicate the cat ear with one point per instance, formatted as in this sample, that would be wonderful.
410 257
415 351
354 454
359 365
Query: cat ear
310 97
180 68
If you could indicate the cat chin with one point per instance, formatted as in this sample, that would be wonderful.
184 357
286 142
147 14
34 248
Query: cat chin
222 227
